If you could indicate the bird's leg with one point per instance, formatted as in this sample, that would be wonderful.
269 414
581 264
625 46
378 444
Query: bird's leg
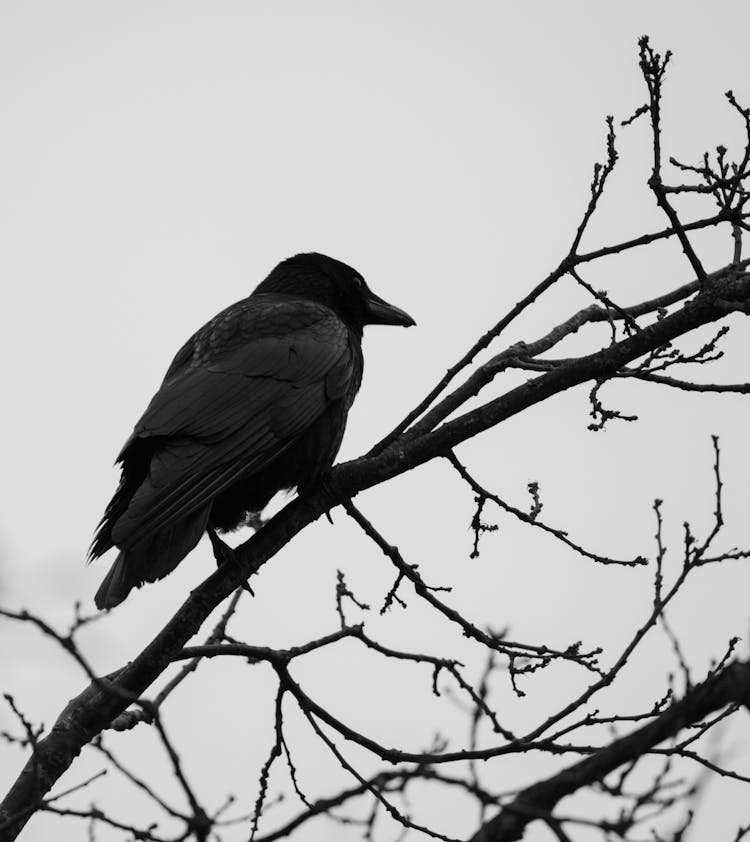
224 554
325 486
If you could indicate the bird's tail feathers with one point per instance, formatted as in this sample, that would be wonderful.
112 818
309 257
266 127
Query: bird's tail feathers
152 559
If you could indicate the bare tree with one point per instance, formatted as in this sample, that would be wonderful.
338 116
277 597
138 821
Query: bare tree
646 341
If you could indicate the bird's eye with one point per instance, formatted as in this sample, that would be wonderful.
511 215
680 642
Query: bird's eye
358 282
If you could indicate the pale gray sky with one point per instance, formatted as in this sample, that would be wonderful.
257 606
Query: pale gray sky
159 158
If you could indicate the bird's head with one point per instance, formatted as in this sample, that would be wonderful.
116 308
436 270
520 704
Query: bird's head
317 277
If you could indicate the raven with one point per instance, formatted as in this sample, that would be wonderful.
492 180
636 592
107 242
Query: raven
256 401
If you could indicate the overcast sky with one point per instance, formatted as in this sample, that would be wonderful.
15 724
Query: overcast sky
158 158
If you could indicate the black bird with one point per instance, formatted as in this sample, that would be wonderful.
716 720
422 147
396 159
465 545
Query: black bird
254 402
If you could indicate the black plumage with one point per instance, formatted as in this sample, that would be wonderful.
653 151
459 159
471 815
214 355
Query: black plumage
256 401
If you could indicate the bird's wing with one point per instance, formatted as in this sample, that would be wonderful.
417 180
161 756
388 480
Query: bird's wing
233 407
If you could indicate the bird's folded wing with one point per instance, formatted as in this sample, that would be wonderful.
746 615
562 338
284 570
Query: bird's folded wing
230 416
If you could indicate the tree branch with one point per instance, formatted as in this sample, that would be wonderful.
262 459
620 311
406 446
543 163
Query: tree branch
730 686
100 703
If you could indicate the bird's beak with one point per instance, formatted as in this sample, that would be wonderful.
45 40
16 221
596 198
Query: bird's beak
380 312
